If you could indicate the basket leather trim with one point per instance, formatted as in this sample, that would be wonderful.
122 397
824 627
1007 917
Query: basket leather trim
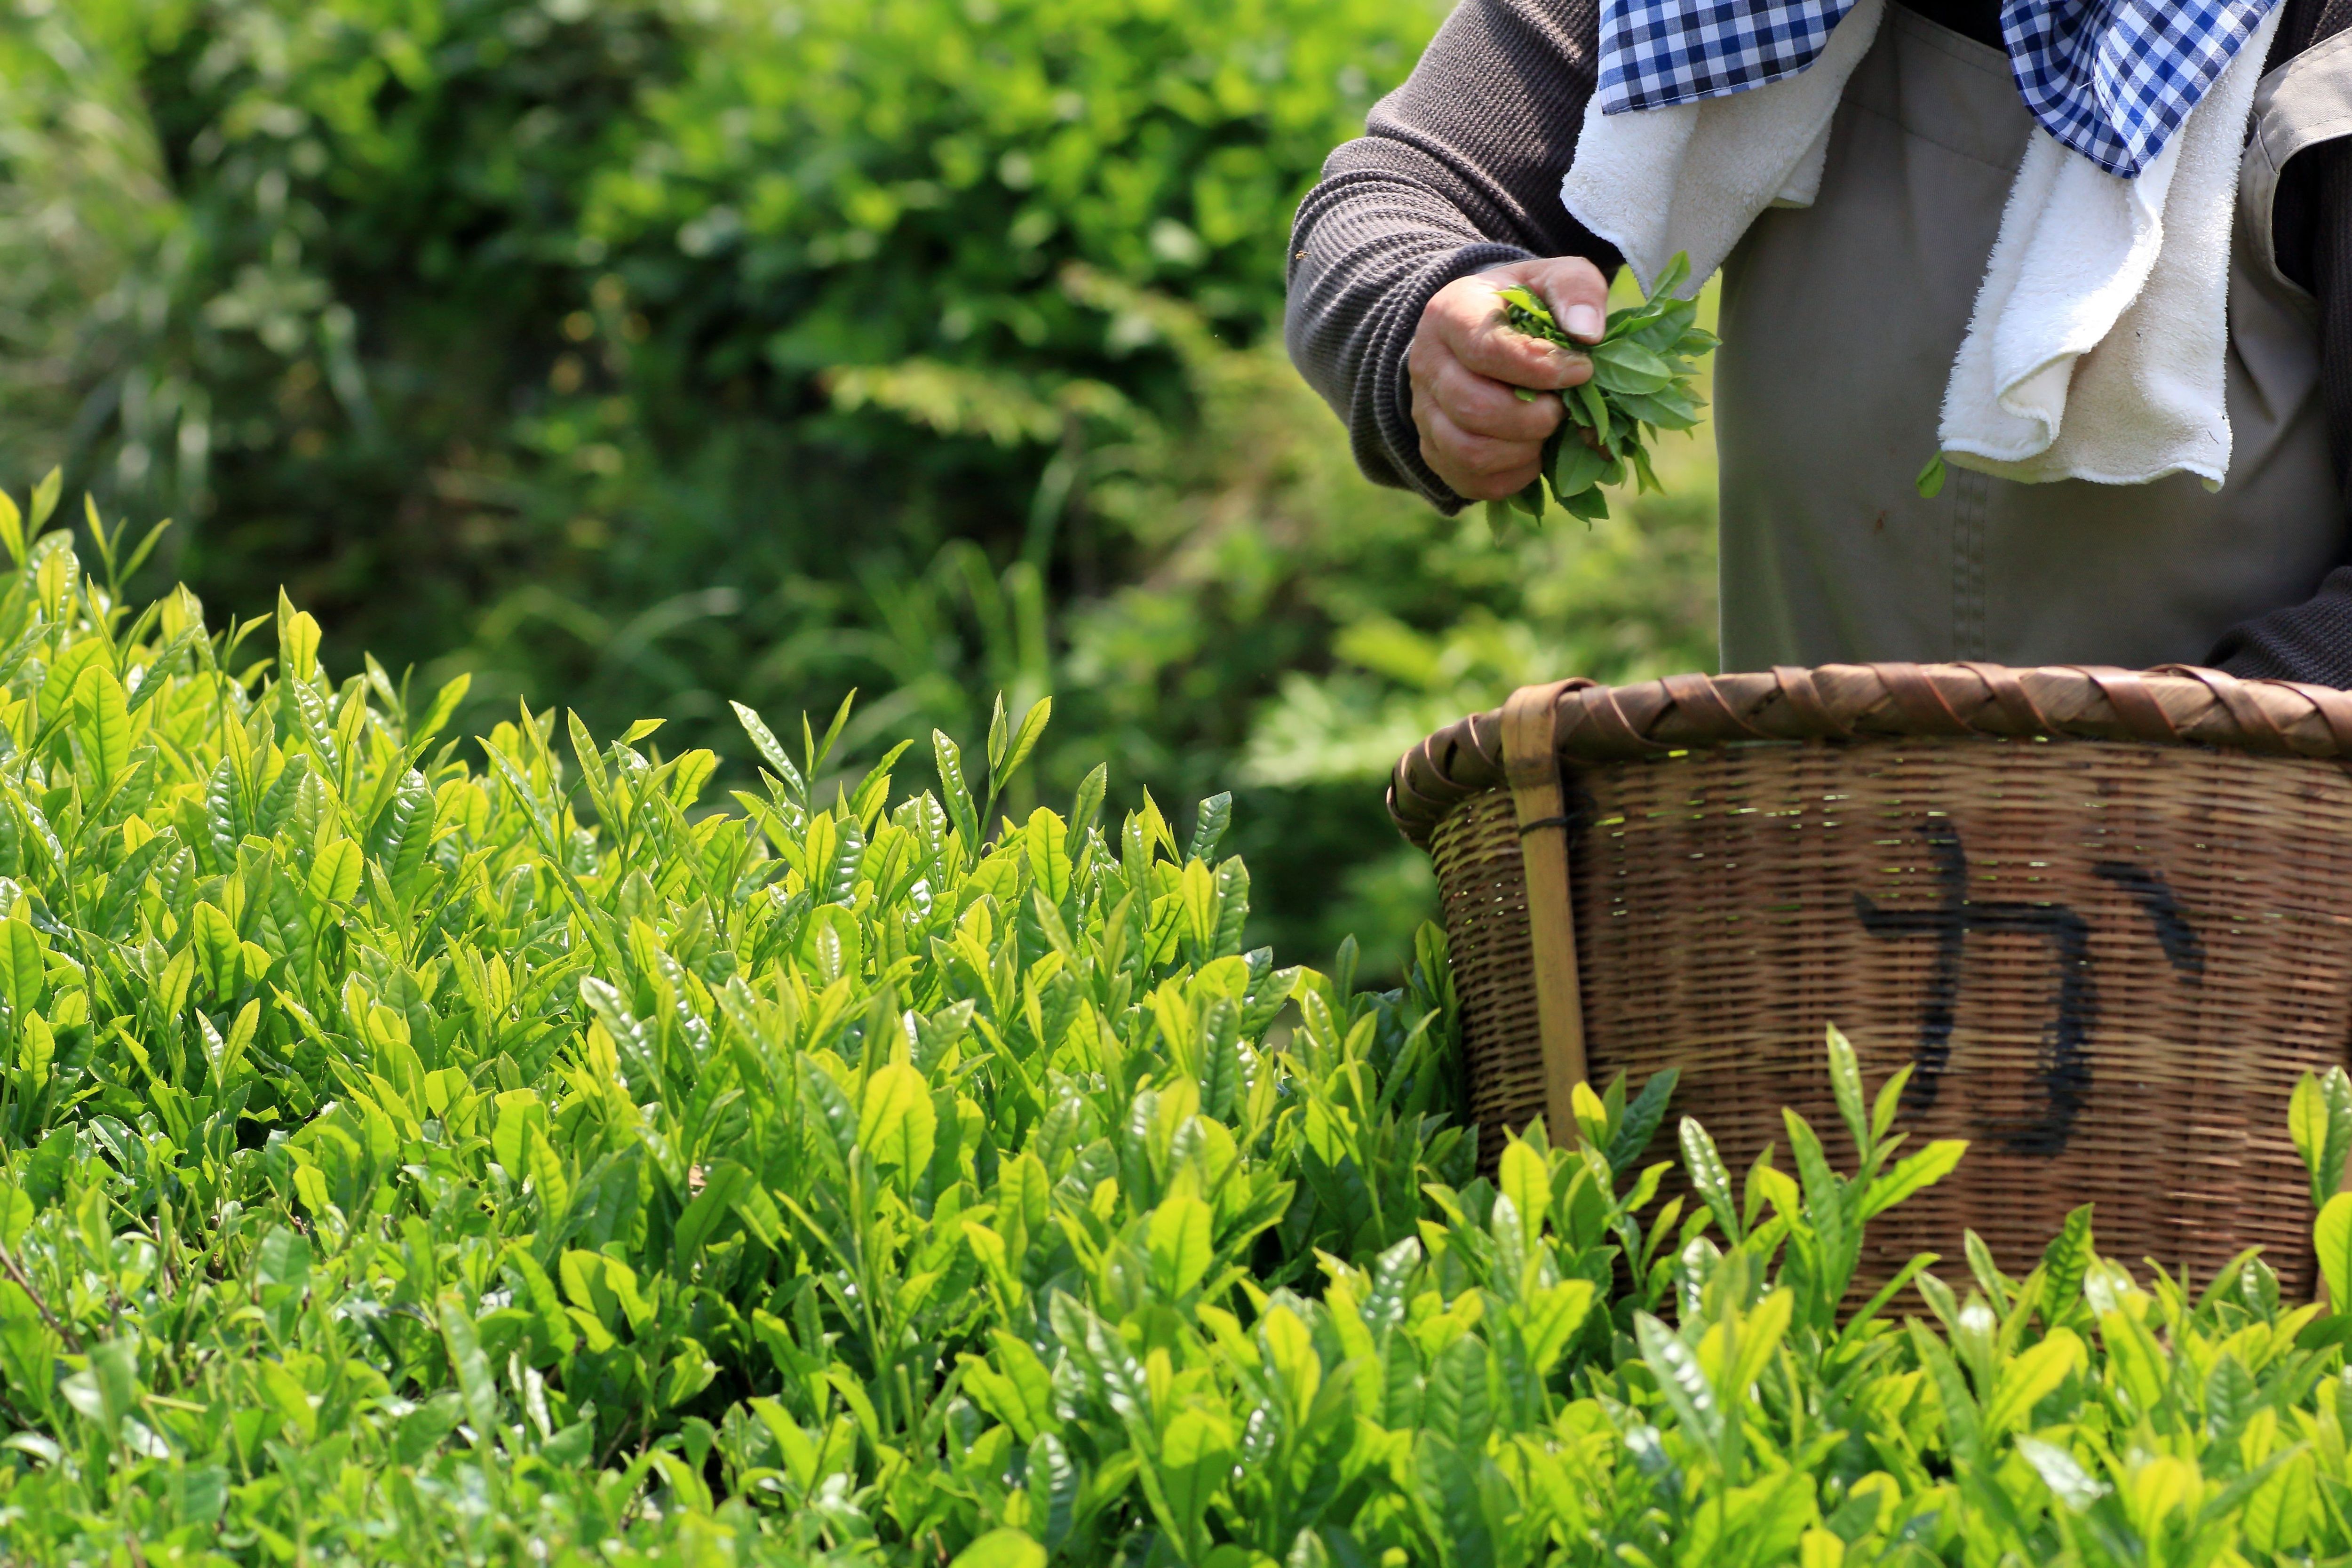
2131 700
1798 691
2008 694
2172 705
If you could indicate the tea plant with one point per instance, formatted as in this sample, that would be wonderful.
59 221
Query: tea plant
403 1159
1642 380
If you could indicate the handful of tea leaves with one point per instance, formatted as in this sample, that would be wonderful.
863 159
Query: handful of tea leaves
1640 381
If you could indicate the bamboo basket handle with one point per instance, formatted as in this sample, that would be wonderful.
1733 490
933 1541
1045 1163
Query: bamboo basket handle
1531 767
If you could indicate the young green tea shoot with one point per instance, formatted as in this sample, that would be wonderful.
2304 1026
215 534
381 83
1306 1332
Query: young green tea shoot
1641 383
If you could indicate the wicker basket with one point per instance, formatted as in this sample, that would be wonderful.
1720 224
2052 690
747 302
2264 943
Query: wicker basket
2105 916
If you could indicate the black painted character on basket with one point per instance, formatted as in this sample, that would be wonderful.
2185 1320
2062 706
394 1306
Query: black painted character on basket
2065 1068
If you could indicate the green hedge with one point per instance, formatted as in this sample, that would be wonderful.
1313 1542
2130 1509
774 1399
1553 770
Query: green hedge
664 354
566 310
418 1152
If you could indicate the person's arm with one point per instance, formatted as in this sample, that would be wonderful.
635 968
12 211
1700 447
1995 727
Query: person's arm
1458 173
2312 230
2311 641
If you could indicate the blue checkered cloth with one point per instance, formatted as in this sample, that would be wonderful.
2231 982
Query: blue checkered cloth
2110 79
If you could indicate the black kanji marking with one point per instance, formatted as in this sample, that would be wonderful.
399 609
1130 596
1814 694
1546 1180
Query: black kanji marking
2183 949
2065 1065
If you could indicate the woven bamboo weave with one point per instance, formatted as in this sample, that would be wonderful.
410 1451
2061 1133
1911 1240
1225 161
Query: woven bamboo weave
2105 916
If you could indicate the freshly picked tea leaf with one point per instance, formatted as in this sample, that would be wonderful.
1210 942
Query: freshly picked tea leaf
1642 370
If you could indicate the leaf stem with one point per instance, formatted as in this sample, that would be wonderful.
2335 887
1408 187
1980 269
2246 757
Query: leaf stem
16 1271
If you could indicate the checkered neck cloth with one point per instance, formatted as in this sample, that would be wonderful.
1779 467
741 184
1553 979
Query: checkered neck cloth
2110 79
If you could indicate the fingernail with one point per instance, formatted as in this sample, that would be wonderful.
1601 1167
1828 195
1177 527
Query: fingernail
1583 321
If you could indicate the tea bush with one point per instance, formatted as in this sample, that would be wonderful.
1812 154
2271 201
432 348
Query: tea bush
412 1160
592 325
561 297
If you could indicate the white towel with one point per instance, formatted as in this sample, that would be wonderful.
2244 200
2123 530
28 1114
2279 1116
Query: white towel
2097 348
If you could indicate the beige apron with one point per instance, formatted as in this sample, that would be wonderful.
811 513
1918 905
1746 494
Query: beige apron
1840 321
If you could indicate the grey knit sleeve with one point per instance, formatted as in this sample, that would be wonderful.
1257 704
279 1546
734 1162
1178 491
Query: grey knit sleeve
2312 237
1458 171
2311 641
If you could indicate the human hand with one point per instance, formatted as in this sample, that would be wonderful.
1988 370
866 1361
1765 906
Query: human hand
1463 364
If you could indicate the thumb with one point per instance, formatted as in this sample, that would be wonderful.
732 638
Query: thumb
1576 293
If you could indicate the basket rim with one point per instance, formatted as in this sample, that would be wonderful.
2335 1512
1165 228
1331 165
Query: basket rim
2173 704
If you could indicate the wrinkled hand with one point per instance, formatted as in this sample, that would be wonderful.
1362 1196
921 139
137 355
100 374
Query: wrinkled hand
1481 439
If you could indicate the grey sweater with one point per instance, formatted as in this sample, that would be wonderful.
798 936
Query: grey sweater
1459 171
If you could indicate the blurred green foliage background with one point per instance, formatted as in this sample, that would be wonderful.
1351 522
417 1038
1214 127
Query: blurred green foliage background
637 354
